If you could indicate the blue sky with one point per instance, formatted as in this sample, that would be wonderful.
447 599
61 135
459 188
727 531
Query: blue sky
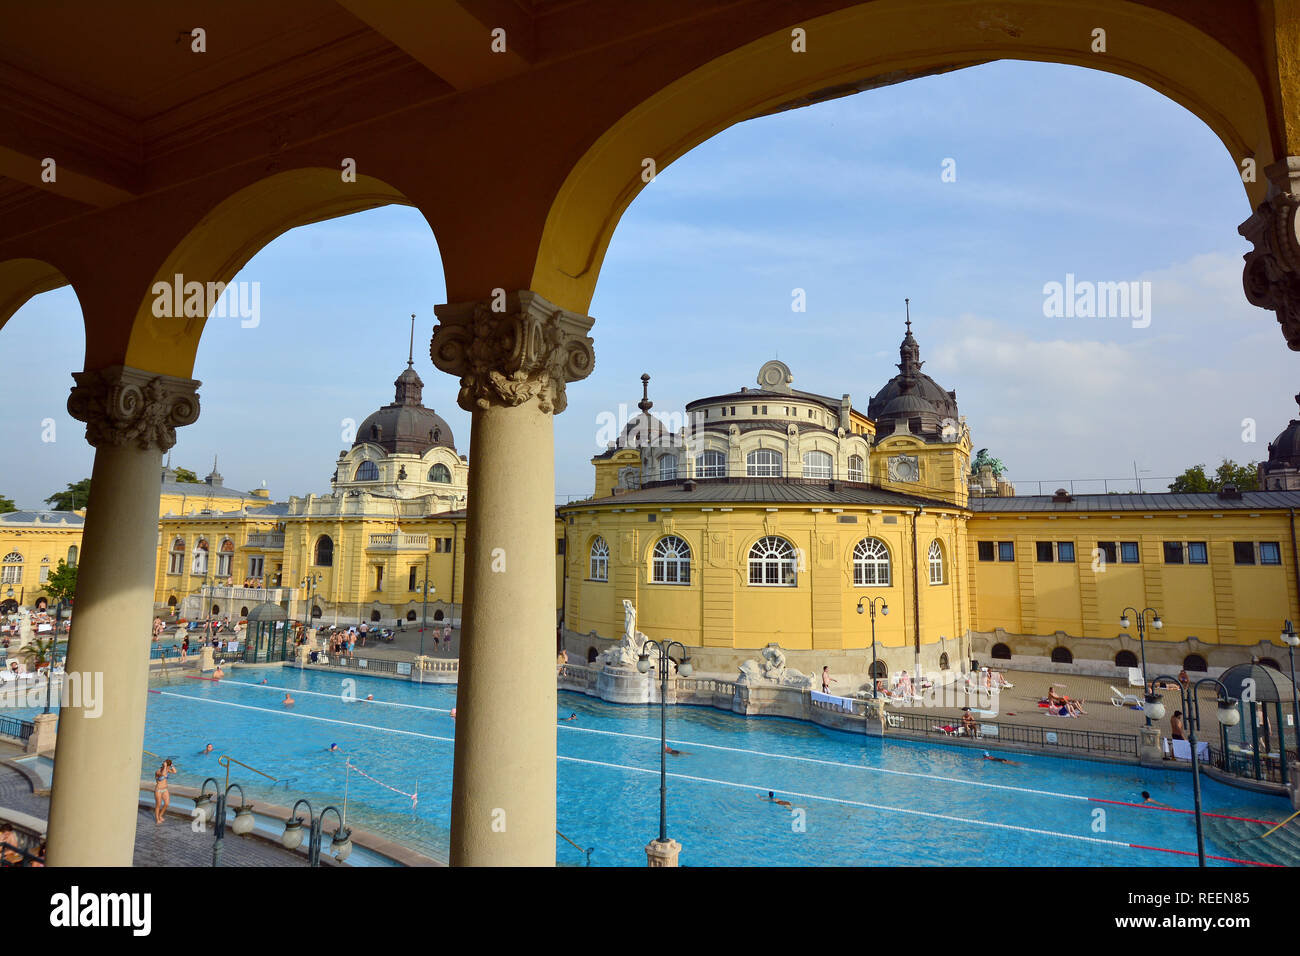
1058 170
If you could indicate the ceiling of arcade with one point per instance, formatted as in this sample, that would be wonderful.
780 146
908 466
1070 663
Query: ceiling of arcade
141 125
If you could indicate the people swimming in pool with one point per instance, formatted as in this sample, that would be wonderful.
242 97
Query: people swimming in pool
570 717
206 750
218 673
771 798
333 748
1148 799
989 756
675 753
288 701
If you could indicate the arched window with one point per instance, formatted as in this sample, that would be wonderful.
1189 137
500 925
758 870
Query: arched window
772 562
855 468
1126 659
316 611
870 563
367 471
599 560
763 463
171 601
667 467
199 565
324 551
1194 662
817 464
592 654
72 556
243 611
879 669
437 615
711 464
374 615
176 562
440 473
12 572
1062 655
943 661
216 610
936 562
1001 652
672 561
224 558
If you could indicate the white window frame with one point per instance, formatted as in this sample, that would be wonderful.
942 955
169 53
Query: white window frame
935 556
199 562
825 467
667 467
857 468
706 466
671 561
773 563
871 564
599 563
764 463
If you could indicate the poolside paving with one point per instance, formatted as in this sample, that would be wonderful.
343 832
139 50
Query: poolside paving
172 844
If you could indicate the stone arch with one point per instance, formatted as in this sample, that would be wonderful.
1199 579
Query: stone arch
874 44
1062 655
228 234
23 279
1195 663
1126 659
1000 652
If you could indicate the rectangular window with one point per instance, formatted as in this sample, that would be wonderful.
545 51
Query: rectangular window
764 409
985 550
1243 552
559 546
379 577
1065 551
1044 549
1173 552
1270 552
1108 552
45 573
255 565
1197 553
223 564
733 409
753 410
1006 551
410 581
1128 552
724 411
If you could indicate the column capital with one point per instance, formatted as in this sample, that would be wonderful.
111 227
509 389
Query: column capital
122 405
1271 276
526 348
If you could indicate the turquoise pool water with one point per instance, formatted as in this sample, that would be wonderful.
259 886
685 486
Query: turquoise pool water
856 800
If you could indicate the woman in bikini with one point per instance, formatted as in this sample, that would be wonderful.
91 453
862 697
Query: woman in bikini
161 798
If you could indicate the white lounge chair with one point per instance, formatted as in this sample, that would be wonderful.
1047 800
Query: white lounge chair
1121 699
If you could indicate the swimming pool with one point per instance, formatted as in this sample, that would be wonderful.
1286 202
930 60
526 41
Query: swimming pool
855 800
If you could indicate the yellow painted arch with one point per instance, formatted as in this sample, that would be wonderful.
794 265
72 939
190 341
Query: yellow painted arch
887 41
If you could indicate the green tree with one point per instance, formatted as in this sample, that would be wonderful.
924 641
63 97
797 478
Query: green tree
1194 480
62 583
7 505
187 476
982 458
76 496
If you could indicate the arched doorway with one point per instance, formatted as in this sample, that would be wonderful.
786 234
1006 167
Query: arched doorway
1126 659
1062 655
1194 663
1000 652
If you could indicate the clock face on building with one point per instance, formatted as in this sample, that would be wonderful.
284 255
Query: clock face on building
904 468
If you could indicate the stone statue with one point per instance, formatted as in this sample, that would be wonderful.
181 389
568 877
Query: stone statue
772 670
628 650
773 663
24 627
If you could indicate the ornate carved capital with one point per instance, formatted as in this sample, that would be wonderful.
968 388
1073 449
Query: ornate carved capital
529 350
1272 273
122 405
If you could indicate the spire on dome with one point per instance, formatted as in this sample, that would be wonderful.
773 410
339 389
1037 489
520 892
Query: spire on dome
645 404
410 355
410 389
909 352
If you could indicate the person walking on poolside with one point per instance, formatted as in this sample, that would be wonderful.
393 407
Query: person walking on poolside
827 679
771 798
161 798
1176 726
968 726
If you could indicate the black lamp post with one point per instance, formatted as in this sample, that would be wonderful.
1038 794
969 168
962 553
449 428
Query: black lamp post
425 588
1228 716
1290 638
1142 646
291 839
243 813
884 609
309 587
644 664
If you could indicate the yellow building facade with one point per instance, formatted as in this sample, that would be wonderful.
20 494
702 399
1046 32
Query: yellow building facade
775 513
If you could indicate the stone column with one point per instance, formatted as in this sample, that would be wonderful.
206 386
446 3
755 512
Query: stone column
662 854
1272 272
513 364
131 418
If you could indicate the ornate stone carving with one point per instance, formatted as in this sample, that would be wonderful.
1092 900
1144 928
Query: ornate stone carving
122 406
904 468
528 351
1271 276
